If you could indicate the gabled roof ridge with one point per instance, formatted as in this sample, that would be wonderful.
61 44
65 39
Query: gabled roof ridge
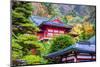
44 20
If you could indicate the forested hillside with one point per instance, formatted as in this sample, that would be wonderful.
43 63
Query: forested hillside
49 10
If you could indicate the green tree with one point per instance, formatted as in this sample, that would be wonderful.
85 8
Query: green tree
61 42
20 18
63 18
16 49
49 7
23 31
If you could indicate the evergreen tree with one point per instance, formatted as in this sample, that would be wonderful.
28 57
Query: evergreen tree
23 32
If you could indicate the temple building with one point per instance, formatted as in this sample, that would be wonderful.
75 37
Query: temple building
50 28
84 51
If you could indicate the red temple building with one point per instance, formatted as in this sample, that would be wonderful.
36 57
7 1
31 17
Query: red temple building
50 28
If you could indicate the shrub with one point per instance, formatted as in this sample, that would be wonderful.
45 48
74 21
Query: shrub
34 59
61 42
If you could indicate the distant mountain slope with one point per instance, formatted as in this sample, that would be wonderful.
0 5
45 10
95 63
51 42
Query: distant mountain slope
49 9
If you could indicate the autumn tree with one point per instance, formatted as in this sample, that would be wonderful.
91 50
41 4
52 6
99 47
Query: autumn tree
88 30
83 30
76 31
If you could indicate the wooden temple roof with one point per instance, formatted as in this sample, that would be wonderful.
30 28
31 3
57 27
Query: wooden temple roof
38 20
45 21
57 24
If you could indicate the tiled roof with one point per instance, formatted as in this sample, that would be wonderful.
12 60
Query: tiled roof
44 21
92 40
38 20
57 24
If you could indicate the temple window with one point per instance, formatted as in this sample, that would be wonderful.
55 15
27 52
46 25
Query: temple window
50 34
61 32
55 31
50 30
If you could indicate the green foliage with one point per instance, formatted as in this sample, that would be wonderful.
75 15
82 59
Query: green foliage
45 48
20 18
15 44
17 54
23 30
27 40
84 36
56 11
32 59
49 7
27 37
76 19
16 49
52 9
64 19
61 42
